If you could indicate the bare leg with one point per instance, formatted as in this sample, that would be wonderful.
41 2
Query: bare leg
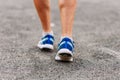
67 9
43 9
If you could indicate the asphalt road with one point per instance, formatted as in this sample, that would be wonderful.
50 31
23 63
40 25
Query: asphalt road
96 34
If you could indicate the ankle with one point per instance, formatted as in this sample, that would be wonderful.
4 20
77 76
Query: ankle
62 37
49 32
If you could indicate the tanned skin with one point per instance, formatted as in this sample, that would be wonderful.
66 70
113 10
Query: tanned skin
67 11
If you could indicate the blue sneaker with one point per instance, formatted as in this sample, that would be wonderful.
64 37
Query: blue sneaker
46 42
65 50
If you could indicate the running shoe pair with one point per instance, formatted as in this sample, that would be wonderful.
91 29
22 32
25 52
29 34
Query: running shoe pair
65 47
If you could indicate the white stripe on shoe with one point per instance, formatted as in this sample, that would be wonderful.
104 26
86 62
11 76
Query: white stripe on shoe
49 46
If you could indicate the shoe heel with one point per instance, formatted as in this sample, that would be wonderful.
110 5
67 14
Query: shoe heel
64 57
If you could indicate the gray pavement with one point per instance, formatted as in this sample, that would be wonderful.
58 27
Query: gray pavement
96 34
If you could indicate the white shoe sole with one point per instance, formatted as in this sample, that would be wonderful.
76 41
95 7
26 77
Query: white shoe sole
46 46
64 55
